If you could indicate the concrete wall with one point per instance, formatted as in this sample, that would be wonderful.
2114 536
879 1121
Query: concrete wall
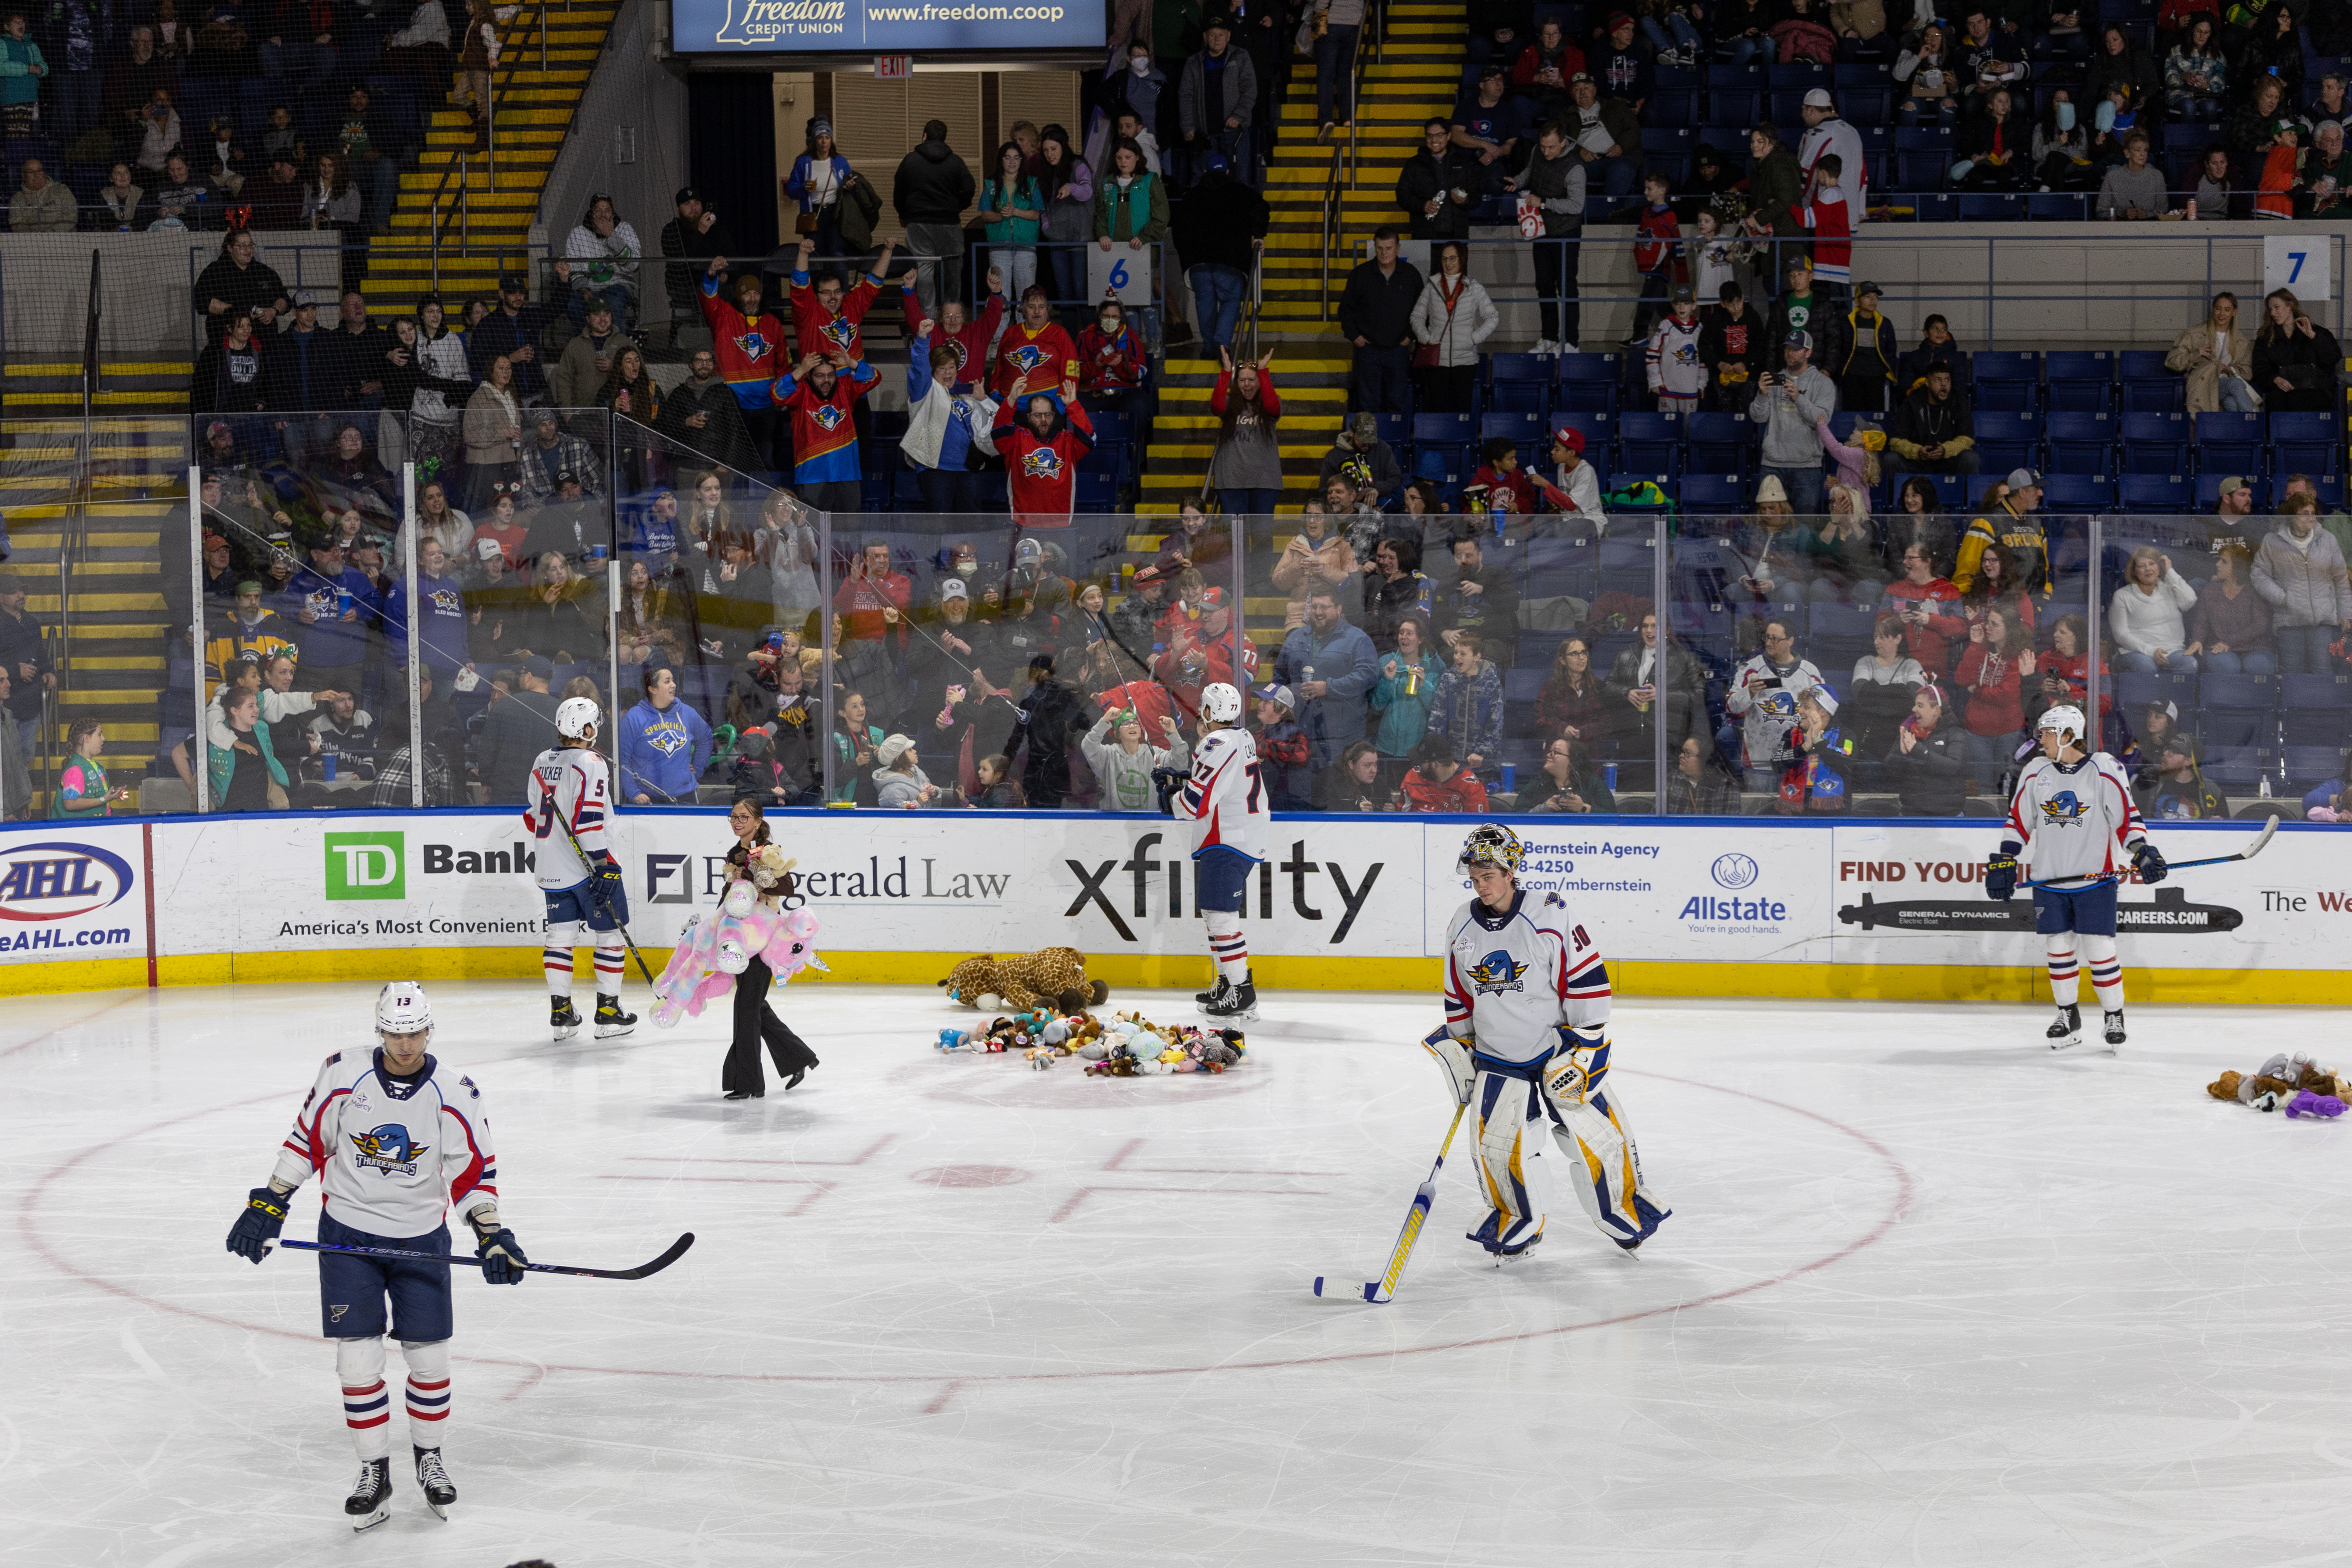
146 283
627 139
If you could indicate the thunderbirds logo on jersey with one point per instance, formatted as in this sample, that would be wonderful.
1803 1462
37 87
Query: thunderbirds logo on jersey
826 418
448 602
388 1149
2065 807
668 736
839 332
1496 972
1026 357
1041 463
1780 703
754 344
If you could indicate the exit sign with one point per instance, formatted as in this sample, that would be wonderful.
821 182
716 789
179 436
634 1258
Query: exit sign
890 68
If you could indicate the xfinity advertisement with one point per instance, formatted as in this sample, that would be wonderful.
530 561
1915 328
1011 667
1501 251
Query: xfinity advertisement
882 26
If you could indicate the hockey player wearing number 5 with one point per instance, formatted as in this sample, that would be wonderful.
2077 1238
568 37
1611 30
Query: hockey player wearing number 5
1526 1040
2075 808
1231 809
568 788
394 1144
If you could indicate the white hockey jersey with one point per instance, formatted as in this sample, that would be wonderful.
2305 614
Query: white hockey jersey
2077 816
391 1157
568 783
1511 980
1673 364
1225 797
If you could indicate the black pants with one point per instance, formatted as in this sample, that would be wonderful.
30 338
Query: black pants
1446 389
756 1021
1556 288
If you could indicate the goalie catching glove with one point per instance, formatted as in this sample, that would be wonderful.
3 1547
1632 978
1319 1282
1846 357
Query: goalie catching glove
1578 1065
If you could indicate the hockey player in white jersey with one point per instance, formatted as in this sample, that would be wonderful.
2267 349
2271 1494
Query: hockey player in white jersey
395 1143
1231 810
1526 1039
568 786
2075 809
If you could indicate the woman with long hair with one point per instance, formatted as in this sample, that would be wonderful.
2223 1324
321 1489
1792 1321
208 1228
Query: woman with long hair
1996 587
1245 471
630 391
648 618
2231 630
599 261
2215 357
857 745
1396 587
707 518
493 432
1406 691
1013 206
1571 701
1927 72
1453 317
755 1019
1996 148
330 200
787 548
1067 185
1569 784
2296 358
432 428
1993 666
2197 74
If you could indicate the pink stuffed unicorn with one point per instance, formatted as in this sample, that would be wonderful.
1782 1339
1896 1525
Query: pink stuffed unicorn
711 953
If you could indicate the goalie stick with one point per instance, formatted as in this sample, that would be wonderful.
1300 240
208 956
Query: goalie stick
603 900
2248 853
676 1250
1381 1289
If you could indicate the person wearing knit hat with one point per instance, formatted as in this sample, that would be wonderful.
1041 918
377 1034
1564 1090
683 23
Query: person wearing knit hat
819 178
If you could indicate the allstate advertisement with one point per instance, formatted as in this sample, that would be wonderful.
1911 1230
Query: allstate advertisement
71 891
883 27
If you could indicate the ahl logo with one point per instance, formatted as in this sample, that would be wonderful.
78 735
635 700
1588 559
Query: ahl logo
388 1150
1734 871
1496 972
55 880
2064 806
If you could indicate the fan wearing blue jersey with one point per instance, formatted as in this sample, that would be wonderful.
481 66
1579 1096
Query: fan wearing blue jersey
395 1143
1226 800
2075 809
1526 1039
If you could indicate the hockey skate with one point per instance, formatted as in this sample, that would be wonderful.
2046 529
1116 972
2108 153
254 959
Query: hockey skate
1238 1002
2066 1029
2114 1032
562 1019
1522 1235
1651 1216
369 1503
1214 994
610 1019
434 1481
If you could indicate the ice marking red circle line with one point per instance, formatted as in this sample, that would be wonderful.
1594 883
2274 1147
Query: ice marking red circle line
1897 1210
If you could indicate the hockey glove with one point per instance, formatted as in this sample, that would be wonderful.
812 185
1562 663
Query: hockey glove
2149 861
1579 1063
502 1257
1168 781
257 1226
2000 876
1453 1060
607 873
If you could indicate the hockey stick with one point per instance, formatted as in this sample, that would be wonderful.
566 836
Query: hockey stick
1379 1290
676 1250
603 900
2248 853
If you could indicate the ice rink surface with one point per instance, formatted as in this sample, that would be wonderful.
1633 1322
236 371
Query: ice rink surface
1931 1294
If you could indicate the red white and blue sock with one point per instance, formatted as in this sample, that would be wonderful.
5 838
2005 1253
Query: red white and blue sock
428 1390
367 1404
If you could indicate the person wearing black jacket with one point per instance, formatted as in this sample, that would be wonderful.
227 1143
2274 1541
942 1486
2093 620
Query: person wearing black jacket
701 413
1439 185
2296 360
232 278
694 235
1220 227
518 728
1928 765
1935 419
357 349
931 190
230 377
405 372
1731 346
1376 317
1047 719
512 330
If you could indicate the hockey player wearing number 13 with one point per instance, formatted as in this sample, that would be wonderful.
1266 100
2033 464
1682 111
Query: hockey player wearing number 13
1228 802
2075 808
568 788
395 1143
1526 1040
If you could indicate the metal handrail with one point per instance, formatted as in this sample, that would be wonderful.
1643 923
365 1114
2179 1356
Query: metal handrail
459 166
1330 223
1250 306
1375 23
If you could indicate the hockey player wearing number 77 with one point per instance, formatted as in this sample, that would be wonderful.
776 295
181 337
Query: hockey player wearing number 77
1231 806
2075 807
1524 1040
395 1145
567 788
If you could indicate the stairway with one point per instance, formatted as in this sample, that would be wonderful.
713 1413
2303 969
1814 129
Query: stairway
114 660
534 116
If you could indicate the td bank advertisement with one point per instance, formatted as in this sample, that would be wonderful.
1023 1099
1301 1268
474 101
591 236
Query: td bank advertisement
1864 893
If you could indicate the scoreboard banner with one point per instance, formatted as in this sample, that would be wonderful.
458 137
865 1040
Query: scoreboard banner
884 27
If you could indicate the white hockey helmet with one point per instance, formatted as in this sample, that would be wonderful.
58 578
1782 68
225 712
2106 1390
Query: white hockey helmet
2065 718
1219 703
576 719
401 1009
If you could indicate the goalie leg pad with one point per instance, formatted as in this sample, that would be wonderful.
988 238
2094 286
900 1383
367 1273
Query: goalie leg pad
1505 1102
1605 1169
1453 1058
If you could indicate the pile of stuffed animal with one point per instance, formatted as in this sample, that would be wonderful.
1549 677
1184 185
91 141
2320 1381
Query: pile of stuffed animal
2294 1084
1125 1044
712 953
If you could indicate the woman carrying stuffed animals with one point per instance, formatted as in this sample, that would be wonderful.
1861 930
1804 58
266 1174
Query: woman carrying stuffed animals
755 1020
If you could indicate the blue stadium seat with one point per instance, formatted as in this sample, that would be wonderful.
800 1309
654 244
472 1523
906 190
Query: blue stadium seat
2306 442
1443 429
2135 692
1953 491
2080 380
2080 443
1670 106
2156 442
1443 447
2057 206
1749 79
1647 441
2308 767
1722 443
1937 139
1732 108
2233 767
2230 443
2164 494
1712 493
1110 427
2208 488
1588 383
1923 170
1393 429
1989 207
1599 428
2007 440
2155 396
1097 494
1527 429
2078 492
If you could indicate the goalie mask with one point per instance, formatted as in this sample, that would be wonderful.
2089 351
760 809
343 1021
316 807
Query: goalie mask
576 719
1491 843
2067 718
